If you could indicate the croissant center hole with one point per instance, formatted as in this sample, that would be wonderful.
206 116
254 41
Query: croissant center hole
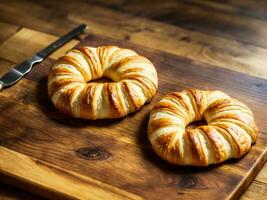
101 80
195 124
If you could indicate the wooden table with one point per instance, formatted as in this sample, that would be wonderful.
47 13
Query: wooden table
230 35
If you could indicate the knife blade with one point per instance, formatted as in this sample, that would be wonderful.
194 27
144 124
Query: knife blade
15 74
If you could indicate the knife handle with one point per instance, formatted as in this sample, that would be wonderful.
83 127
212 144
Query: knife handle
1 85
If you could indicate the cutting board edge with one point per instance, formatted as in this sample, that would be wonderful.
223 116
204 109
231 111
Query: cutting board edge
247 180
48 191
41 185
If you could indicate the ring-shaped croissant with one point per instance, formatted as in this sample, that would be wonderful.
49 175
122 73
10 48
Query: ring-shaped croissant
229 132
134 83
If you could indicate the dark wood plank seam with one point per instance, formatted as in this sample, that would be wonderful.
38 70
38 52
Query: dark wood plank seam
135 15
12 62
240 12
260 182
18 29
181 27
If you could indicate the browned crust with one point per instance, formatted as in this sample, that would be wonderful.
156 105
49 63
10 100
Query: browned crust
64 101
216 134
240 150
175 151
114 100
59 70
215 141
230 138
132 97
155 124
136 69
178 97
88 55
219 104
86 101
87 98
72 61
123 62
160 106
195 101
197 150
56 85
146 87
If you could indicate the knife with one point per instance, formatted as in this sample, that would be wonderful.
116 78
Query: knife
15 74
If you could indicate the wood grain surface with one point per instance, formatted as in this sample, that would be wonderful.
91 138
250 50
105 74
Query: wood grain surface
112 157
231 35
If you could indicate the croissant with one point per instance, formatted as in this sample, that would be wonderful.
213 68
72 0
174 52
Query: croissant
134 82
229 132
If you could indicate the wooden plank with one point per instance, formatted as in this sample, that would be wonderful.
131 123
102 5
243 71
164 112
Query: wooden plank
29 15
29 43
248 8
262 176
130 164
194 45
51 178
9 30
258 8
206 17
5 66
257 190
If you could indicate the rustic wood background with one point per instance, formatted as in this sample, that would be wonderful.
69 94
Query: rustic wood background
226 33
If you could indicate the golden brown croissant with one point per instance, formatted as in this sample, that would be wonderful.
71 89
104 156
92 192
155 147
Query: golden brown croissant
229 132
134 83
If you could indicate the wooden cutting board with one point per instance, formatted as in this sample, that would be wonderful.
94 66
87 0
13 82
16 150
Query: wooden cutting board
56 156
